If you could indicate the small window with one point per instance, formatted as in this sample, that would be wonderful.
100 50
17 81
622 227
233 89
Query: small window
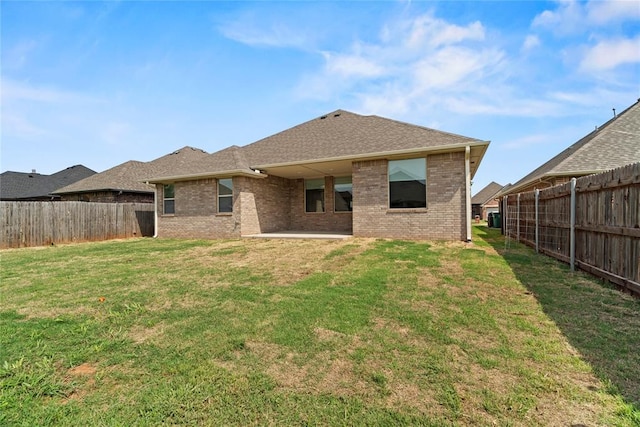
169 200
225 195
408 183
314 195
343 194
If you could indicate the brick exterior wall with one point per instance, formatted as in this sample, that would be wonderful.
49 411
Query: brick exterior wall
328 220
108 197
264 204
445 214
196 213
277 204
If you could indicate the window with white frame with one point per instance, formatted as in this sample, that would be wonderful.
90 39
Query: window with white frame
169 200
343 194
408 183
314 195
225 195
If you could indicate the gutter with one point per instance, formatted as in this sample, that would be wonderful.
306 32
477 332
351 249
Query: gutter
382 154
575 174
222 174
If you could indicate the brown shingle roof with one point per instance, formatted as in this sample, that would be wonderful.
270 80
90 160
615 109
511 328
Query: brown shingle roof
130 176
612 145
124 177
338 135
486 194
343 134
230 161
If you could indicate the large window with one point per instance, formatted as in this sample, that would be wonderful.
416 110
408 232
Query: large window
169 200
408 183
225 195
314 195
343 194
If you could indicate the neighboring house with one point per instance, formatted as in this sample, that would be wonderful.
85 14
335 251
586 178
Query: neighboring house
486 201
21 186
124 183
342 172
612 145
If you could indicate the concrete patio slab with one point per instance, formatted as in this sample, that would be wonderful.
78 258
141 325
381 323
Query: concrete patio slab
300 235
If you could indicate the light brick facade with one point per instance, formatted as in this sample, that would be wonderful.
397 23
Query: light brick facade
443 218
277 204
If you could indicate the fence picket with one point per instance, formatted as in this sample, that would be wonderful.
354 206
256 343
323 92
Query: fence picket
607 224
26 224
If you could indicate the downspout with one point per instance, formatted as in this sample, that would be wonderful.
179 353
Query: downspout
467 172
155 210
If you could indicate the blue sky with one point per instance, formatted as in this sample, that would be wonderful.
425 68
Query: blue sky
98 83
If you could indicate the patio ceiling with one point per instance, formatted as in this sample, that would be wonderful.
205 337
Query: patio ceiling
342 167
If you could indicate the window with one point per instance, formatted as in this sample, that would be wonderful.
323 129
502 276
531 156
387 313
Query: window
343 194
169 200
408 183
225 195
314 195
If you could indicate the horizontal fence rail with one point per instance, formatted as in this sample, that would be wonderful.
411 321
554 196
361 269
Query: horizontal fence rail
25 224
592 223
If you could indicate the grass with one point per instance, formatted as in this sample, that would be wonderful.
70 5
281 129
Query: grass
273 332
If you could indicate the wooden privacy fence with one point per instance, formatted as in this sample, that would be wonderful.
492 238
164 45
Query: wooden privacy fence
24 224
592 222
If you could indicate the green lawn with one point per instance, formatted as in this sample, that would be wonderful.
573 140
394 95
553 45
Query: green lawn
301 332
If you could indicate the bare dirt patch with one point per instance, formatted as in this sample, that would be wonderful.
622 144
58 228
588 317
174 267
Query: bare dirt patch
84 369
410 395
140 334
390 325
286 261
327 334
324 373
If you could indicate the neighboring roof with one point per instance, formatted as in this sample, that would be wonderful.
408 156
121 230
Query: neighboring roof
335 137
130 176
22 186
487 194
612 145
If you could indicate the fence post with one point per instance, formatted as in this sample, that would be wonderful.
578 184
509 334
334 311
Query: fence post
537 193
572 239
518 218
505 220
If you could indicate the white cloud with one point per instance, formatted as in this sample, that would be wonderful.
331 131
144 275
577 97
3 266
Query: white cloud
14 91
454 66
609 54
15 124
572 17
429 31
604 12
503 104
348 66
15 57
253 30
569 17
413 59
527 141
530 42
276 36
